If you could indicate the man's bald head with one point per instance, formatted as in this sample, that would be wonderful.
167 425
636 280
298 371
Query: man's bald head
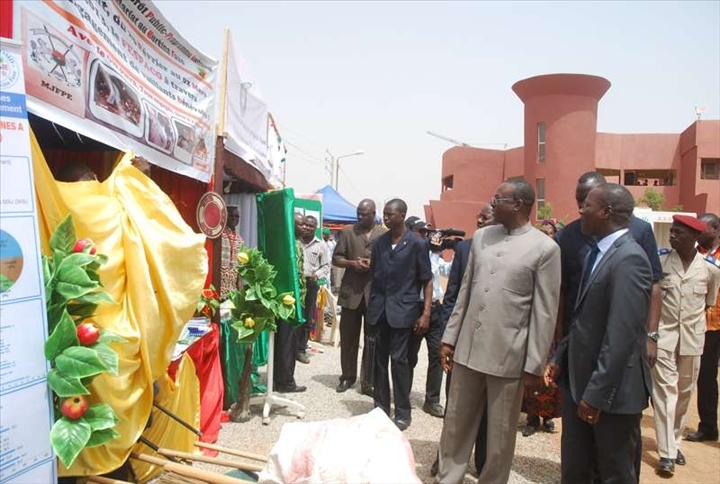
586 182
366 213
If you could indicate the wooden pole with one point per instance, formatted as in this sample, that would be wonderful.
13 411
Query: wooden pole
211 460
227 450
187 471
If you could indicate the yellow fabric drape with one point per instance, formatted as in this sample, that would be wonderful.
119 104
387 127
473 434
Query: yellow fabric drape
156 272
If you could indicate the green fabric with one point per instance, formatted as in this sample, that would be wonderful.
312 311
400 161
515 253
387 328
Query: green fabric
276 240
232 358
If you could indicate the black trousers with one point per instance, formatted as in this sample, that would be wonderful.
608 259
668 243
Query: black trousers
284 358
303 331
392 344
351 322
433 338
707 385
609 446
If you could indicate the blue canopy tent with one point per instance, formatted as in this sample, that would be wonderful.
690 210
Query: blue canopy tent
336 210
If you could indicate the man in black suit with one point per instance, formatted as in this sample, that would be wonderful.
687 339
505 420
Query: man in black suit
400 268
602 363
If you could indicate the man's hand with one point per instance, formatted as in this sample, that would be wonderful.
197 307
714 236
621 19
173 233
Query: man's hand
651 352
552 374
446 357
587 413
532 383
422 324
361 265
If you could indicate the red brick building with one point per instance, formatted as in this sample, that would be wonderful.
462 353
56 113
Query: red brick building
562 143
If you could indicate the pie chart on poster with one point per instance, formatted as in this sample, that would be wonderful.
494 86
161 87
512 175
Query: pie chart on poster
11 261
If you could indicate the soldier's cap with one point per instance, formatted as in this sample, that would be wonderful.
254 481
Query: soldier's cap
691 222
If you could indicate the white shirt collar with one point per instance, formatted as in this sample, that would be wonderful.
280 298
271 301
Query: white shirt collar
606 242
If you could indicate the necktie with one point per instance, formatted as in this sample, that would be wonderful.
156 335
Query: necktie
592 257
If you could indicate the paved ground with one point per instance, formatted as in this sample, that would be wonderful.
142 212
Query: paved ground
537 458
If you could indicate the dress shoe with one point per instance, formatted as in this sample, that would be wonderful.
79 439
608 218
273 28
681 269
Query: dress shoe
680 459
366 390
291 389
528 430
549 426
402 424
344 385
434 409
666 467
701 436
302 358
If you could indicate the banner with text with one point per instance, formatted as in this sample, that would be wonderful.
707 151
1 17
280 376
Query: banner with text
117 72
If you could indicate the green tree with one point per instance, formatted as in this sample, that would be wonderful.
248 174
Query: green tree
652 199
546 211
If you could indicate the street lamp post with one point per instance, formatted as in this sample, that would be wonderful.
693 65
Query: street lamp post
335 166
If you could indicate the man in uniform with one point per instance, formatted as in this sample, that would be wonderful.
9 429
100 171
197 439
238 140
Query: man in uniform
689 285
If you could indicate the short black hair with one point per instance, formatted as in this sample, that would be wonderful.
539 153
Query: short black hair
710 218
591 177
312 217
620 200
522 190
398 205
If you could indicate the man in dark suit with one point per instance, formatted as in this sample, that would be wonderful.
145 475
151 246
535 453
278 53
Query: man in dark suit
602 362
400 268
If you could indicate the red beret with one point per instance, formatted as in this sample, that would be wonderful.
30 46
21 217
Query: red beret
691 222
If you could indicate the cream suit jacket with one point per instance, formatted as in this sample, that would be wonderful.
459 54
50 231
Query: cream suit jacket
685 295
505 313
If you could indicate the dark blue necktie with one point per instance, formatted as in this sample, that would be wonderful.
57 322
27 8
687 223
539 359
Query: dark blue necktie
592 257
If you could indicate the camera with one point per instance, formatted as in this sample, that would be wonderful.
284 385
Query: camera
442 239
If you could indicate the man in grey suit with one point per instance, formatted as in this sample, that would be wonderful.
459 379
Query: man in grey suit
499 334
602 362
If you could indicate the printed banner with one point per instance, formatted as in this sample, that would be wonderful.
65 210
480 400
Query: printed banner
25 404
117 72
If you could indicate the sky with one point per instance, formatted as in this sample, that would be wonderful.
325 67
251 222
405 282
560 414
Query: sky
376 76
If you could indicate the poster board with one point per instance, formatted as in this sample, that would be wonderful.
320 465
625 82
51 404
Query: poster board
119 73
26 413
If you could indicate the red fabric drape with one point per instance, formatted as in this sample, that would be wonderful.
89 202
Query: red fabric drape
205 353
6 18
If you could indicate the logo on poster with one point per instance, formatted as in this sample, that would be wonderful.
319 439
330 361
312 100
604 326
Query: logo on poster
9 72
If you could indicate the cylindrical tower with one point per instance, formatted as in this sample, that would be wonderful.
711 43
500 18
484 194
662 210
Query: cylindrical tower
560 131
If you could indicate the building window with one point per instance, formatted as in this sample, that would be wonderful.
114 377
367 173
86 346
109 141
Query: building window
540 192
710 168
649 178
541 142
447 183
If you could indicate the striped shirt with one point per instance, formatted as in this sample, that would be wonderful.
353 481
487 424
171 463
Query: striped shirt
317 259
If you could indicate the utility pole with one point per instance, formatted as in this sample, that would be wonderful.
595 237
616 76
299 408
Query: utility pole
335 166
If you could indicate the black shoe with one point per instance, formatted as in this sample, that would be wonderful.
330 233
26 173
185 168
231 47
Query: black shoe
365 390
680 459
434 409
528 430
402 424
434 467
701 436
666 467
291 389
302 358
549 426
344 385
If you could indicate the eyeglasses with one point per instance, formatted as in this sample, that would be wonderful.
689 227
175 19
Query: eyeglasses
496 200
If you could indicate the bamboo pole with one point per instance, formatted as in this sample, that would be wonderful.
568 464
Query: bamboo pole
187 471
222 93
210 460
227 450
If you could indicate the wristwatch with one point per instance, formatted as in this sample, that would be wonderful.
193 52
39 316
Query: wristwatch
655 336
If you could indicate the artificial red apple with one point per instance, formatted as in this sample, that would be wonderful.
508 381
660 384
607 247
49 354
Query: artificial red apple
81 244
88 334
74 407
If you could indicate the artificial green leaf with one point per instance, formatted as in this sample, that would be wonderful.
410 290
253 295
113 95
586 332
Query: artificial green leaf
63 336
47 272
244 332
79 259
81 311
262 272
63 238
55 313
96 297
73 291
251 293
68 438
110 337
64 386
80 362
99 437
100 416
108 357
286 312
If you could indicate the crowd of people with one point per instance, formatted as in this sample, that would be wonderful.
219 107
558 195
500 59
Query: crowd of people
588 322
